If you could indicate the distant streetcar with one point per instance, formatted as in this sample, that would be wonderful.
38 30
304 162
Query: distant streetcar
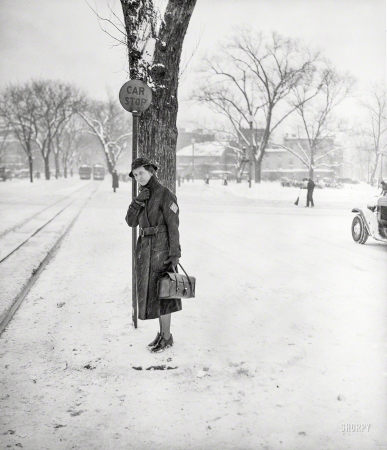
98 172
85 172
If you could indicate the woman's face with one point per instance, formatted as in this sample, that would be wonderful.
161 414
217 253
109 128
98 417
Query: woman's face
141 175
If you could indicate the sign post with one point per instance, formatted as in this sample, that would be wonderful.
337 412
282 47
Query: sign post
135 96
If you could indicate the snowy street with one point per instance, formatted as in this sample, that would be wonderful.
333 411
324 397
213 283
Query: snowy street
284 346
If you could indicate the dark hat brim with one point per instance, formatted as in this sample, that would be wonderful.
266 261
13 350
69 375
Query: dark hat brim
141 162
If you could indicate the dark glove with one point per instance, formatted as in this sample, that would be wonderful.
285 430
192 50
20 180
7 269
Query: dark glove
174 260
143 195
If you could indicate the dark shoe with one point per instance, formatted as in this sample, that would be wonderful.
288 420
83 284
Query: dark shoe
155 341
163 344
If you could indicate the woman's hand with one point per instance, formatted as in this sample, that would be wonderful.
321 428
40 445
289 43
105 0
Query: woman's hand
174 260
143 195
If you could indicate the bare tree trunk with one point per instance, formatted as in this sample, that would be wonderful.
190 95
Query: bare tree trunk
31 167
375 168
110 163
46 167
57 168
311 165
262 148
258 171
30 161
157 126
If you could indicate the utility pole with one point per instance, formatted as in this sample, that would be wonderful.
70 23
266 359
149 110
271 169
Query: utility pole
135 96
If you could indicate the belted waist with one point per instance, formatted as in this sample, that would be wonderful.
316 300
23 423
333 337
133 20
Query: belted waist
152 230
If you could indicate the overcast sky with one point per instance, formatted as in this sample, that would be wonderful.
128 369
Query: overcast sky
63 39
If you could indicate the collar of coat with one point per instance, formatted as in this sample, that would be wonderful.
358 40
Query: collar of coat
152 183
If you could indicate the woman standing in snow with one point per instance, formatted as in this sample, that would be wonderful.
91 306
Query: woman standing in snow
156 211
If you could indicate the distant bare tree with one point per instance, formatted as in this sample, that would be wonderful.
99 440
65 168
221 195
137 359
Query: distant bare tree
57 102
5 132
254 75
319 125
18 107
236 98
71 137
371 135
110 124
154 40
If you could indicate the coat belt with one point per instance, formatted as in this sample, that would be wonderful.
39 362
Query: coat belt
152 230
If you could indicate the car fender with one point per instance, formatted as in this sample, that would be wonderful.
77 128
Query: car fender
371 223
366 219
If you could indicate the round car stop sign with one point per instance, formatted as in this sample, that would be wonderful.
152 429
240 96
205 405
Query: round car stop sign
135 95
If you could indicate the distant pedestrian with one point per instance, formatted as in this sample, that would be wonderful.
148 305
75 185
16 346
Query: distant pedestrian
156 211
383 185
178 180
115 180
225 179
309 185
207 180
188 177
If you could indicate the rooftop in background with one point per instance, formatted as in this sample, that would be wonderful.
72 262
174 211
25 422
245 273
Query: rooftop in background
212 148
185 137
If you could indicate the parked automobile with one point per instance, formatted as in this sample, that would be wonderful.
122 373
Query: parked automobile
219 174
22 173
285 181
297 183
347 181
6 174
319 184
370 222
332 183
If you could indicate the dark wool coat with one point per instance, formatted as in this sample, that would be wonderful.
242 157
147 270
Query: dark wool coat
310 185
161 211
115 180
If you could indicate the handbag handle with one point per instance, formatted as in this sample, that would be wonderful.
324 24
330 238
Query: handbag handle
189 281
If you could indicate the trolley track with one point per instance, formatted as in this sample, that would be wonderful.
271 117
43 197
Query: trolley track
9 301
25 221
16 240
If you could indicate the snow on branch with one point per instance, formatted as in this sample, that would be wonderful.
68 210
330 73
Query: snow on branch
305 161
329 153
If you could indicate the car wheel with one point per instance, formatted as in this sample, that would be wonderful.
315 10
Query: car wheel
359 231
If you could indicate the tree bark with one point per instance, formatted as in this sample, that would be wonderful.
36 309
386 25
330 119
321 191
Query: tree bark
373 174
157 125
262 149
31 167
57 169
258 171
311 165
46 167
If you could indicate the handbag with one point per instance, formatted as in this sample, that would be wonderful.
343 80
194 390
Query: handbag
176 285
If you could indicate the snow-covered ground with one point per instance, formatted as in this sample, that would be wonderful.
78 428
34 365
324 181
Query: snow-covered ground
284 346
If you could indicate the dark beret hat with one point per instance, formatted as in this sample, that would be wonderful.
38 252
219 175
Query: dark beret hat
141 162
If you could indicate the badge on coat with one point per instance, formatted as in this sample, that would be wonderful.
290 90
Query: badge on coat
174 207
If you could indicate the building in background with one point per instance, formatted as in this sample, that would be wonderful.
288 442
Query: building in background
279 162
199 159
185 137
